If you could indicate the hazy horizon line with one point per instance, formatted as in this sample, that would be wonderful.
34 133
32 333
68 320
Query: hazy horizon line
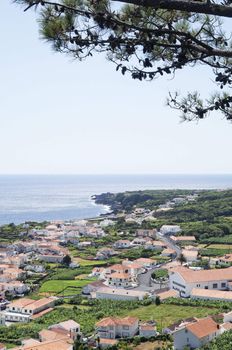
116 174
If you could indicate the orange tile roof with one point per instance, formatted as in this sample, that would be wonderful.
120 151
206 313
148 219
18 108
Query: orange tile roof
120 275
39 303
227 326
147 327
117 267
145 260
203 327
108 341
159 243
183 238
108 321
112 321
168 251
48 335
61 344
168 294
203 275
207 293
42 313
21 302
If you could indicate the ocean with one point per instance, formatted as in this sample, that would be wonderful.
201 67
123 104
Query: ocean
63 197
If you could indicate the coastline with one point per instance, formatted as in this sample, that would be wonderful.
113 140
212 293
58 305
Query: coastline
45 198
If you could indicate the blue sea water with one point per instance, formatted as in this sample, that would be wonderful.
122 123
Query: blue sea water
54 197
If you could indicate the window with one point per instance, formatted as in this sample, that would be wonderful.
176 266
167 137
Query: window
215 285
125 327
198 285
206 287
223 285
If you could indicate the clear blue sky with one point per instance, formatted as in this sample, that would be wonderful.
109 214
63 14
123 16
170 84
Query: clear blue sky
61 116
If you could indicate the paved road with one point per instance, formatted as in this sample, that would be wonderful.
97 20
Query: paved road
145 283
169 243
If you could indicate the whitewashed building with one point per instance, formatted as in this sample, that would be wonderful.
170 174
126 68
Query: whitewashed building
184 280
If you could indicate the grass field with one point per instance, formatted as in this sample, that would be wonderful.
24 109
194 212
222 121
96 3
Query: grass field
84 262
54 287
149 346
220 246
166 314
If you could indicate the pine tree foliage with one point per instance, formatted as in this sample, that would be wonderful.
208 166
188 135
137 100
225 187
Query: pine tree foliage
148 39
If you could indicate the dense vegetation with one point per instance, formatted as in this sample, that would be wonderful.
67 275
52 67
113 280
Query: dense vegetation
87 313
210 216
144 199
223 342
12 232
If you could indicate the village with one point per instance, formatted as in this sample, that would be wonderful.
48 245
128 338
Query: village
144 266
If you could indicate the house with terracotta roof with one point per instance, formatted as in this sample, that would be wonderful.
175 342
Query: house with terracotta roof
196 334
171 293
147 330
146 233
120 279
70 328
184 280
145 262
23 310
120 294
119 276
62 343
190 255
134 267
112 328
208 294
225 260
183 239
168 252
158 245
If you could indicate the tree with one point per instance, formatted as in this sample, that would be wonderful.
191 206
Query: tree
67 260
148 39
181 258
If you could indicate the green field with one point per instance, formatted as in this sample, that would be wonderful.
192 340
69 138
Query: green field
86 262
70 287
166 314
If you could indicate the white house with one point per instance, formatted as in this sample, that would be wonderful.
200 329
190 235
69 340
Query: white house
196 334
70 327
146 233
207 294
170 229
23 310
113 328
147 330
184 280
122 244
190 255
120 294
